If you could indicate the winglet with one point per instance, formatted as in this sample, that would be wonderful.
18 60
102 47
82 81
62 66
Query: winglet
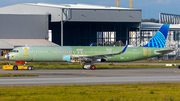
92 44
125 48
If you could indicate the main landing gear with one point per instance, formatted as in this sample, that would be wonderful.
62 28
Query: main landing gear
88 66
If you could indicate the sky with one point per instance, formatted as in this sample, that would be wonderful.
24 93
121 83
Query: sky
150 8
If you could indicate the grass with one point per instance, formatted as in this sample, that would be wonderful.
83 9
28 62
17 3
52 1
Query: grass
3 59
78 66
15 75
114 92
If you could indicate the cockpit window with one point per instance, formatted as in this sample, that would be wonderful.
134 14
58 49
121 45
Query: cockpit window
15 51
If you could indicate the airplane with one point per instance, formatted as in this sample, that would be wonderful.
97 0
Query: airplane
88 55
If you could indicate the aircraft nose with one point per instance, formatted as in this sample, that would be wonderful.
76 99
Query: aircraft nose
7 56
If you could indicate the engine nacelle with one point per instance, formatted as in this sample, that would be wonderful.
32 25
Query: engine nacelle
100 60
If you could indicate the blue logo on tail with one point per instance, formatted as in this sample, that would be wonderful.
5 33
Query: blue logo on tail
159 39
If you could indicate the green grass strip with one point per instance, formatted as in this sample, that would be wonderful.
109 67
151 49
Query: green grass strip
15 75
155 61
114 92
77 66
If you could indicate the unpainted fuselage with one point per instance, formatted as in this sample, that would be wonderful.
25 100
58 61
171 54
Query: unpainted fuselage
66 53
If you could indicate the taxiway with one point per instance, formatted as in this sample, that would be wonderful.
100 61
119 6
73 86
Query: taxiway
98 76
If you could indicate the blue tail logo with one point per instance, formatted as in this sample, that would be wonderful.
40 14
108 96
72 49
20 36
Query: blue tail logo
159 39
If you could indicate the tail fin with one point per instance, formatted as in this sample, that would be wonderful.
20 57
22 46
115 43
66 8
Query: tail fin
159 39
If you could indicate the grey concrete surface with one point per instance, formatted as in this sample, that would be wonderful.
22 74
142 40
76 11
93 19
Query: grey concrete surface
98 76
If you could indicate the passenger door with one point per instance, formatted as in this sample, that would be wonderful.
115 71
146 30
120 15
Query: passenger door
144 52
26 51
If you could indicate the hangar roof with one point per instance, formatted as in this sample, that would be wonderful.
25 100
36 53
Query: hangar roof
156 26
76 12
78 6
11 43
5 45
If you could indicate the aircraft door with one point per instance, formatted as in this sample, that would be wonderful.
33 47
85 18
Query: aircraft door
144 51
25 51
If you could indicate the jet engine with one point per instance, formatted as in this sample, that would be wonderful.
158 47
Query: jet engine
100 60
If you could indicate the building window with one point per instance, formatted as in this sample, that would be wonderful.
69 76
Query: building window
106 38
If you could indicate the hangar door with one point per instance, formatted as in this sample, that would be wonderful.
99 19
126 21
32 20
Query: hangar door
13 26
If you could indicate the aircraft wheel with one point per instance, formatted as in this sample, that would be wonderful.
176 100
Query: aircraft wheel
93 67
15 68
32 68
29 68
83 67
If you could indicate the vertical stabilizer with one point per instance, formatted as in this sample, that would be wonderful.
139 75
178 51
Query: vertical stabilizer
159 39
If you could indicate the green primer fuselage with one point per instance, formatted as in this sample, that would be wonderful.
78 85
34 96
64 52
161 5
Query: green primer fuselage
57 54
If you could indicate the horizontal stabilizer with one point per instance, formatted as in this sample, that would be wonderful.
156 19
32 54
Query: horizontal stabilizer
164 51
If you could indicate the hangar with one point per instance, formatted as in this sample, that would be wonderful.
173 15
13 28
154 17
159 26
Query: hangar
69 24
79 25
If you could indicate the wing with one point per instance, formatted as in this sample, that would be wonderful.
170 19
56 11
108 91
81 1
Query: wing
102 55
